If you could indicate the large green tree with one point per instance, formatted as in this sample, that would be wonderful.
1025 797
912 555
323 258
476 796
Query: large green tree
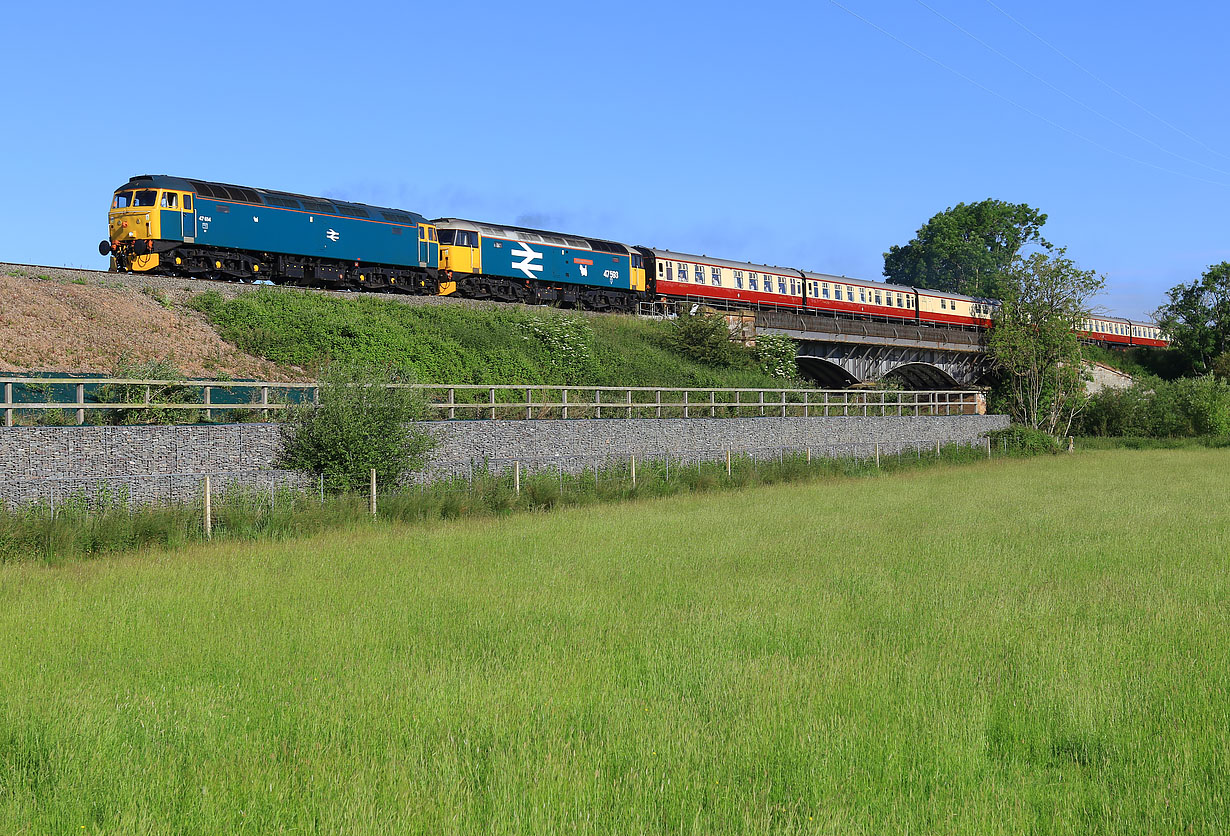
1197 320
966 248
1033 340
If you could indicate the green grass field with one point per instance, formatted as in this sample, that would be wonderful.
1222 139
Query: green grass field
1017 646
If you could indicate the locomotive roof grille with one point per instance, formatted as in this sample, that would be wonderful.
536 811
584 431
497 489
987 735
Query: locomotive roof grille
226 192
397 217
319 206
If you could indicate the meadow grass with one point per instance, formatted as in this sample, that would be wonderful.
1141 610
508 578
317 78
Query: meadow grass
1017 646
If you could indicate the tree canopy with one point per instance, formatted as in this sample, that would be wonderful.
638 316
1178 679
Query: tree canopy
1197 320
1033 339
966 248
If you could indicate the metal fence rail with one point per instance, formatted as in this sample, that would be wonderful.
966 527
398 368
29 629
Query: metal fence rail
476 401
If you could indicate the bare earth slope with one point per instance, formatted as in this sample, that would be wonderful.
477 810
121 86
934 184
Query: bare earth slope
70 321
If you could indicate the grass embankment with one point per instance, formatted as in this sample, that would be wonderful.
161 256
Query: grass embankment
1019 647
463 344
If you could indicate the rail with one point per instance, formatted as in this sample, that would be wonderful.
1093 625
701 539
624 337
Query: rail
477 401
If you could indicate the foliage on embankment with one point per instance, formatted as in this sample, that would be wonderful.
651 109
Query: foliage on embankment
473 344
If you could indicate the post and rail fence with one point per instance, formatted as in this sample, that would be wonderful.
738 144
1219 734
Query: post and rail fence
218 398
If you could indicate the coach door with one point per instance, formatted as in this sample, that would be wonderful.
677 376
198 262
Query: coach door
189 219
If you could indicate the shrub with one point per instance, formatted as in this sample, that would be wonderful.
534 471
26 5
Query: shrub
360 424
1155 408
1024 441
705 338
775 353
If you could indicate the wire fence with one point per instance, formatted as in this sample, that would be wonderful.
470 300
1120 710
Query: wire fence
452 474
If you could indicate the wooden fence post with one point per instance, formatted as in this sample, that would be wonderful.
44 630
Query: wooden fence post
517 477
373 493
727 462
634 471
209 525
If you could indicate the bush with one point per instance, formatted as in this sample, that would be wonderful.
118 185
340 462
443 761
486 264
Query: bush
1024 441
705 338
1155 408
775 353
360 424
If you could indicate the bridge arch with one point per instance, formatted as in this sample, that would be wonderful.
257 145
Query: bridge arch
825 373
923 376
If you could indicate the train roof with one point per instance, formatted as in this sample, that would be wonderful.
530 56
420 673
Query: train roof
667 255
536 236
269 197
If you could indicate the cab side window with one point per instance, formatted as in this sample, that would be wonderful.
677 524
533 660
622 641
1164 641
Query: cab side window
170 200
187 203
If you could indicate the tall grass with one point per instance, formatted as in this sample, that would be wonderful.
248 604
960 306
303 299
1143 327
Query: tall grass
1021 647
75 528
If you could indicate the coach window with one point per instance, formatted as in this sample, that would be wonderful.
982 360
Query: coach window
879 298
781 285
824 290
715 274
699 274
683 271
661 269
739 279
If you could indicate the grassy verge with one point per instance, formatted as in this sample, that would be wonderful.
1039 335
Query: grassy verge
75 529
458 344
1021 647
1144 443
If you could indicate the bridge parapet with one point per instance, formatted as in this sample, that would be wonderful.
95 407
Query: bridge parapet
865 332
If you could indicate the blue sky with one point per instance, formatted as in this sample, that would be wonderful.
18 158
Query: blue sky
781 132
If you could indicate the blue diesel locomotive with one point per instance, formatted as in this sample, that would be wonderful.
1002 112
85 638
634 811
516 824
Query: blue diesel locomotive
177 226
183 227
